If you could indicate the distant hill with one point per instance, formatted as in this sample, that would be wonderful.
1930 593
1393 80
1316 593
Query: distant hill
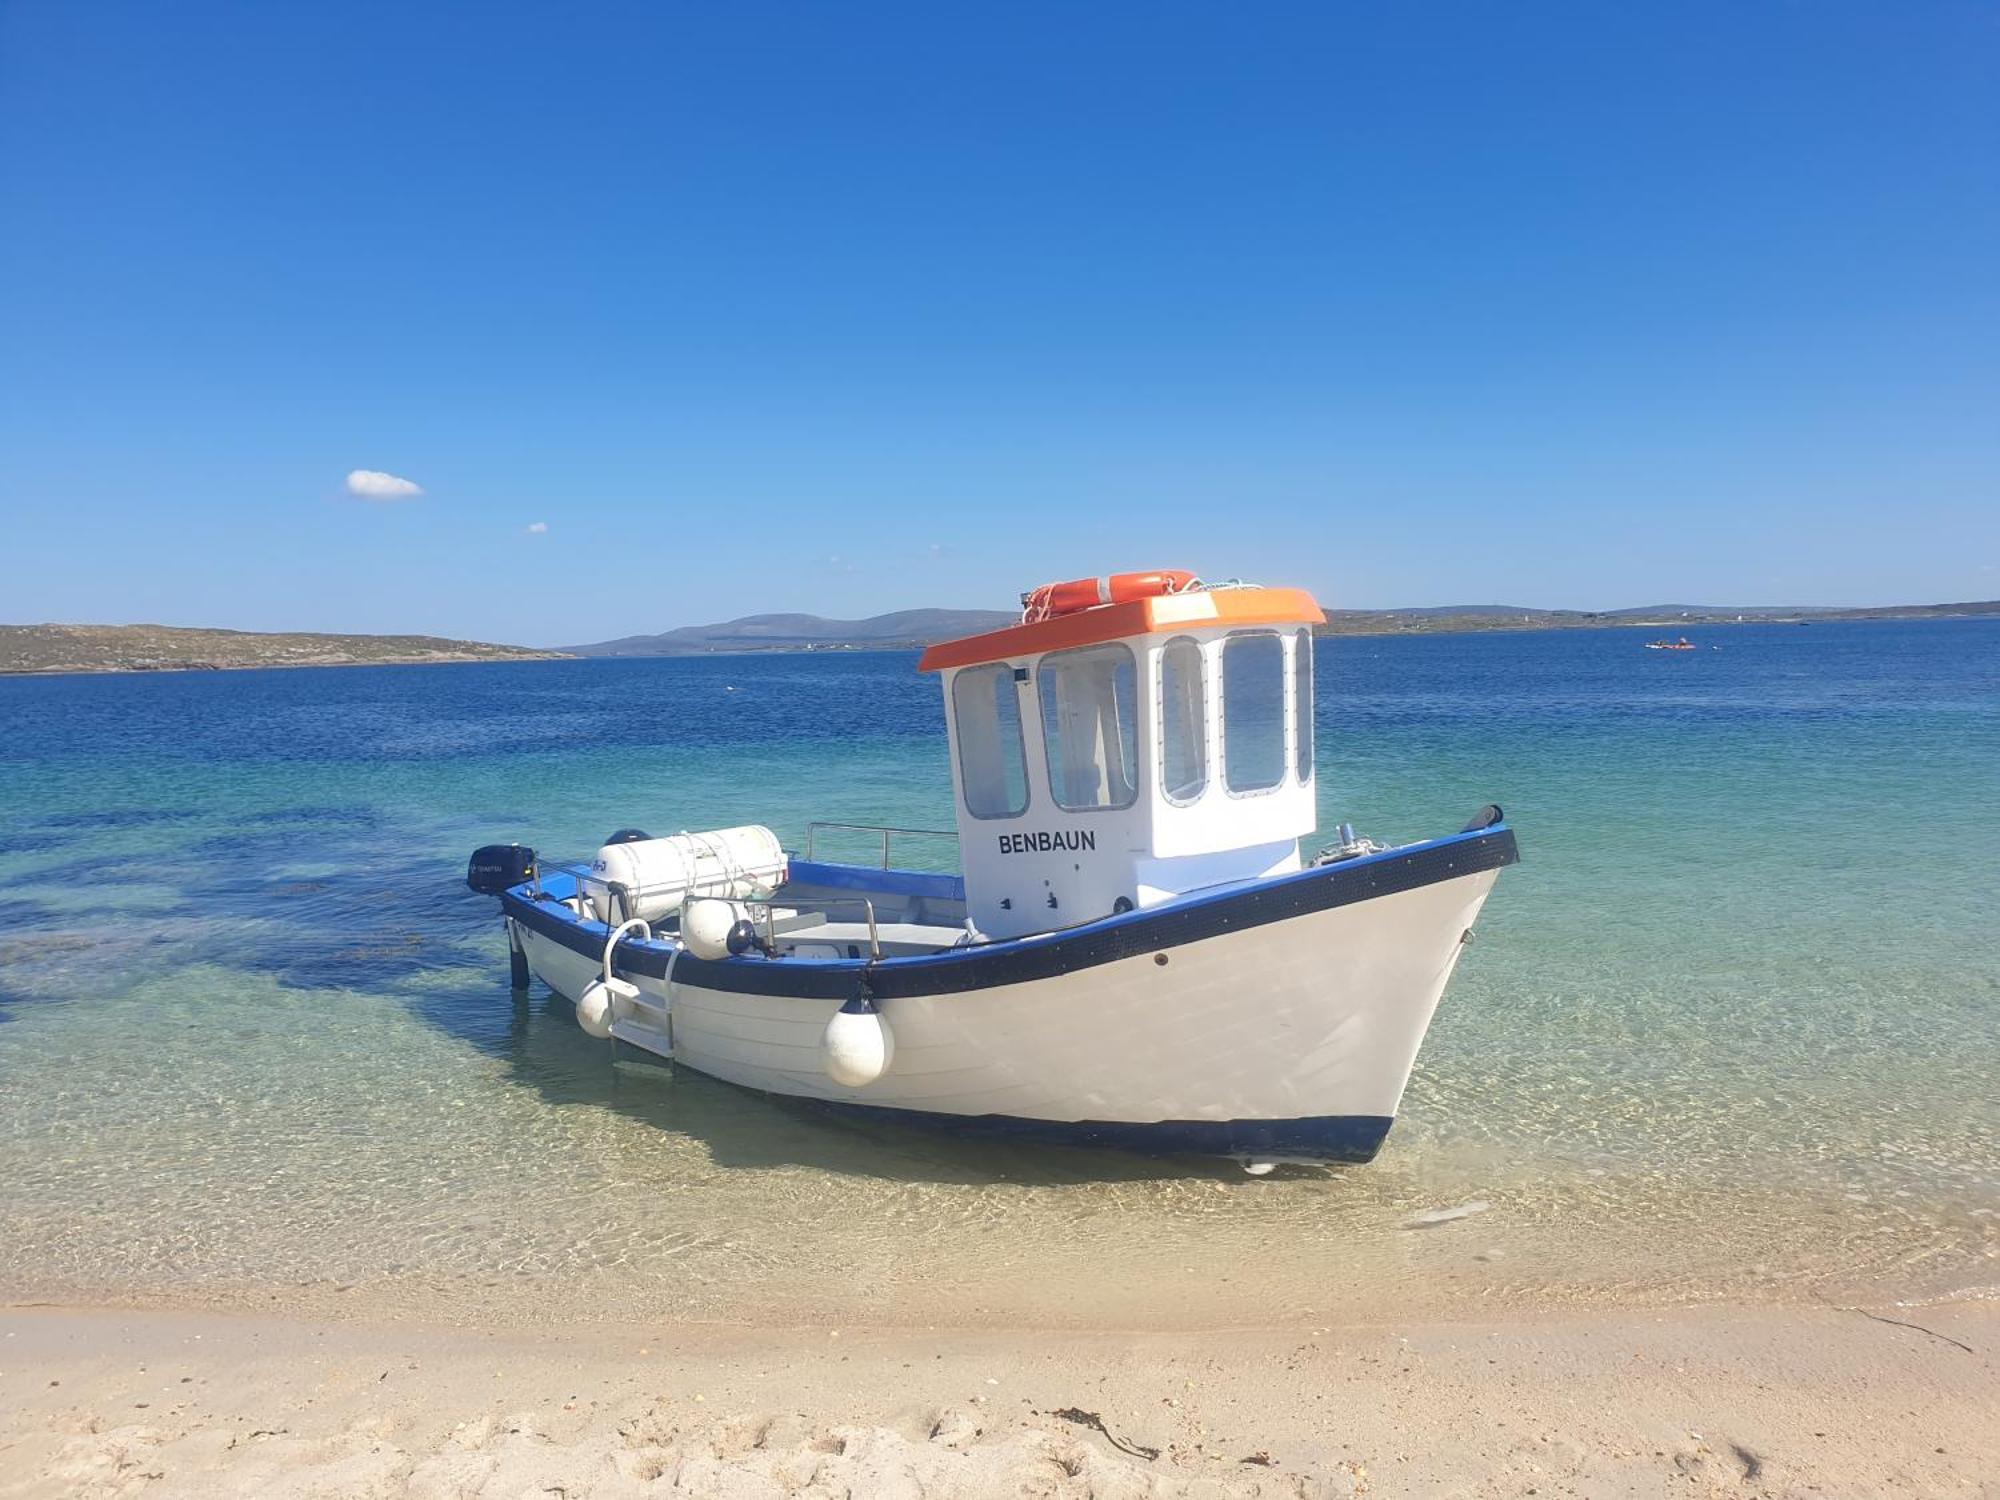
166 648
26 649
921 627
906 627
1464 617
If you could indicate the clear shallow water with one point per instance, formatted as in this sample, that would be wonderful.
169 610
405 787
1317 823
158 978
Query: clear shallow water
1730 1030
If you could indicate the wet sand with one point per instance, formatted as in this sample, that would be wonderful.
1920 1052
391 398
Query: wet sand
1711 1401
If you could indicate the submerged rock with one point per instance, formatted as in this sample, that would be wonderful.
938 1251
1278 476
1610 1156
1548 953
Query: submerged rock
46 945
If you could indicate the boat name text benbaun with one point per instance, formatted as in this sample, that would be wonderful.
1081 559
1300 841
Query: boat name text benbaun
1042 840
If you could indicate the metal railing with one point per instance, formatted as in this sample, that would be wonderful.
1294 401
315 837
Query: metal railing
813 831
867 909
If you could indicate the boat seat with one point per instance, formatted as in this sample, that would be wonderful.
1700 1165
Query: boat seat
850 939
785 919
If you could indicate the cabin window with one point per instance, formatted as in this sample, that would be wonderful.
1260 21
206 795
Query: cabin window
1183 721
992 761
1090 726
1302 704
1253 712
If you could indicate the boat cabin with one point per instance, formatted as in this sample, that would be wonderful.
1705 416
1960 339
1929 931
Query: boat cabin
1129 748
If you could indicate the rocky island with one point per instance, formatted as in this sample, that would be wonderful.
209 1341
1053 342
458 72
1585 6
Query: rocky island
163 648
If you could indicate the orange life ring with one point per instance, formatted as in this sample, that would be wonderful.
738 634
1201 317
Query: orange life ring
1053 599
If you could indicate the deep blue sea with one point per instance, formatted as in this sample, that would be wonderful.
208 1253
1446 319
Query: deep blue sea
1730 1030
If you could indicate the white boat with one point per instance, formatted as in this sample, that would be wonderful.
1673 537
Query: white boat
1136 953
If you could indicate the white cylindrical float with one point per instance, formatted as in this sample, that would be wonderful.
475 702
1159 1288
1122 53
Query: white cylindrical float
857 1046
705 925
653 877
595 1010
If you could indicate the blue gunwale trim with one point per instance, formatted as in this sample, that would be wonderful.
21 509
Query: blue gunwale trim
1191 919
869 878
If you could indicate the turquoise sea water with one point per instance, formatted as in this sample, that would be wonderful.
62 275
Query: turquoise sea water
1730 1030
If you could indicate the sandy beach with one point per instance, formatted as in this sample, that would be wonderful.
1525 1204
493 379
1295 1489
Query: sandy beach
1717 1401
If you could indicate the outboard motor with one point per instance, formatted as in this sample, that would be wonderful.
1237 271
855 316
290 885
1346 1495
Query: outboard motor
497 866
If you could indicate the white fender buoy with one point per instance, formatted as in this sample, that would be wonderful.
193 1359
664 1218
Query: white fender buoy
858 1045
593 1009
705 924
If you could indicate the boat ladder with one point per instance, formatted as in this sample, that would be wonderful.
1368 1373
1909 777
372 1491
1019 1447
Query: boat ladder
635 1027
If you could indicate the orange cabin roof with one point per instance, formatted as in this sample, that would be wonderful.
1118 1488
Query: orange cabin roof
1160 615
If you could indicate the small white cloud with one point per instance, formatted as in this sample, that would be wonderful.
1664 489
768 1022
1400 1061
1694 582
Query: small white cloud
373 484
536 528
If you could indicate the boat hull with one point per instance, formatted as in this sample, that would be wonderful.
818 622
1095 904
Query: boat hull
1280 1021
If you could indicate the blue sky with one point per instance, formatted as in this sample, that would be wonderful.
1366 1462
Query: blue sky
847 308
